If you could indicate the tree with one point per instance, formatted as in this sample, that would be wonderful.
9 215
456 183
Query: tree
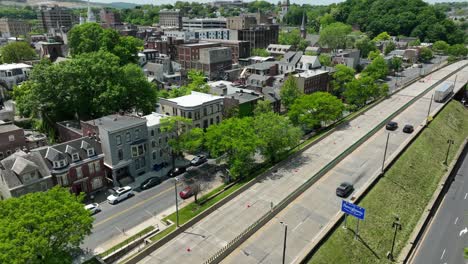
359 91
414 43
277 134
326 20
293 38
311 53
91 37
440 46
342 75
17 51
260 52
373 54
335 35
389 47
365 45
395 64
235 141
425 54
43 227
312 110
289 92
183 138
382 36
458 50
325 60
262 107
88 86
377 69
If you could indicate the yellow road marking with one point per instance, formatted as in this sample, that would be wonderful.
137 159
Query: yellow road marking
133 207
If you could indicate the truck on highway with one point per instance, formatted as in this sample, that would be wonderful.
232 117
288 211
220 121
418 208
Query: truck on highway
443 91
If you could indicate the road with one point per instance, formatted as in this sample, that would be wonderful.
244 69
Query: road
444 240
213 232
304 218
115 219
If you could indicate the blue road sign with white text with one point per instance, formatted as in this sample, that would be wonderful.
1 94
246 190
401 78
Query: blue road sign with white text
353 209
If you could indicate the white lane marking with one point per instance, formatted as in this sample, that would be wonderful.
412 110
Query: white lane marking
466 194
456 220
443 253
463 231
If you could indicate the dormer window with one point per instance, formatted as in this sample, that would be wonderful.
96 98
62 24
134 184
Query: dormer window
59 164
90 152
75 157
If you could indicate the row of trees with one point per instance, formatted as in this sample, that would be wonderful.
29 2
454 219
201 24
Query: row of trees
196 82
17 51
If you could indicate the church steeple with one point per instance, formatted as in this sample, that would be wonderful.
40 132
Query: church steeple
303 26
91 17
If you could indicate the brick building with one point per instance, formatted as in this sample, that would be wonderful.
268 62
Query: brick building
109 19
11 140
13 27
170 18
239 49
189 53
313 81
55 17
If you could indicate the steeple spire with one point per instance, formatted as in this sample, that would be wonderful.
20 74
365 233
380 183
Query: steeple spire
303 26
91 17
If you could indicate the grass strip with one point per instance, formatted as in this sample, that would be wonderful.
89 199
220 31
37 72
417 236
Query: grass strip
127 241
405 190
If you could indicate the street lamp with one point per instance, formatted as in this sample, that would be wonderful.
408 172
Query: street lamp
385 152
284 245
176 201
449 142
397 225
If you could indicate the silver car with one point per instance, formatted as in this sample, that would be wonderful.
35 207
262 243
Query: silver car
93 208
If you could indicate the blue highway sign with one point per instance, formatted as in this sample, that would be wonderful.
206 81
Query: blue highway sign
353 209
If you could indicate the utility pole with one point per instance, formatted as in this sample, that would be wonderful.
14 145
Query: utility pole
284 244
385 152
397 225
449 142
176 201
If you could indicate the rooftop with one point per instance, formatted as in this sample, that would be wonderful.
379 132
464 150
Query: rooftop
198 44
154 119
8 128
310 73
262 65
194 99
6 67
244 96
116 122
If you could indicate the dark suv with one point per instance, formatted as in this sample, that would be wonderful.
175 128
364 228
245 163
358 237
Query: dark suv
408 129
176 171
391 125
344 190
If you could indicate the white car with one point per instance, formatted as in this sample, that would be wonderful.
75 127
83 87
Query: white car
93 208
120 194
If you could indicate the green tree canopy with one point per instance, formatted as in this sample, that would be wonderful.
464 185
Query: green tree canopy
425 54
293 38
277 134
457 50
262 107
325 60
341 77
395 63
312 110
196 82
88 86
440 46
373 54
377 69
382 36
365 45
289 92
335 35
43 227
17 51
326 20
359 91
260 52
91 37
235 141
391 46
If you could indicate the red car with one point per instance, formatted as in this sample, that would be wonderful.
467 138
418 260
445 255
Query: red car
186 193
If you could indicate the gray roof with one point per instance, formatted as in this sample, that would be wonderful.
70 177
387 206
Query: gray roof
21 162
117 122
271 94
244 97
54 155
292 57
258 77
8 128
262 65
397 53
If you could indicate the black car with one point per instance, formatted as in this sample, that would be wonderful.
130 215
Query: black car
150 182
408 129
344 189
197 160
176 171
391 125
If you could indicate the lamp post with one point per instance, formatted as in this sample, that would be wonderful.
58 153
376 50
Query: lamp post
385 153
449 142
176 201
284 244
397 225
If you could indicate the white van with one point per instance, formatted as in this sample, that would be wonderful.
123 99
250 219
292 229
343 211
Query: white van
120 194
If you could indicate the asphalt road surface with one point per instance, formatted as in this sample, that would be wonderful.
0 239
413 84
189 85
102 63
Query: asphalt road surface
447 236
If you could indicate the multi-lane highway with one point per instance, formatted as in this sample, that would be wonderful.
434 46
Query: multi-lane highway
212 233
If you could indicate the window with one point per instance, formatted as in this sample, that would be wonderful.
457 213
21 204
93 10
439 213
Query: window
153 143
118 138
159 141
79 173
138 150
152 132
211 121
62 179
217 120
137 133
204 111
160 153
120 154
26 178
166 139
75 157
97 166
11 138
1 155
96 183
91 168
90 152
190 115
159 130
154 155
128 137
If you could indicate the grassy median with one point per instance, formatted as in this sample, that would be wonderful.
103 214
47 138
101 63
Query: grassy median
405 191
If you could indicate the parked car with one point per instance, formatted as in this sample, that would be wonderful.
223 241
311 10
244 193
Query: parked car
150 182
198 160
408 129
93 208
120 194
344 190
392 125
176 171
186 193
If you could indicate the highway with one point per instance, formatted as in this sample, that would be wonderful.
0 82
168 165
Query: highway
447 234
212 233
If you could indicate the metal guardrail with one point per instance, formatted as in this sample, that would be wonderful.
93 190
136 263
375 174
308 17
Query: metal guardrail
226 250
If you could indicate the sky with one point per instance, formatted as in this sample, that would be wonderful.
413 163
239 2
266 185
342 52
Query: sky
315 2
